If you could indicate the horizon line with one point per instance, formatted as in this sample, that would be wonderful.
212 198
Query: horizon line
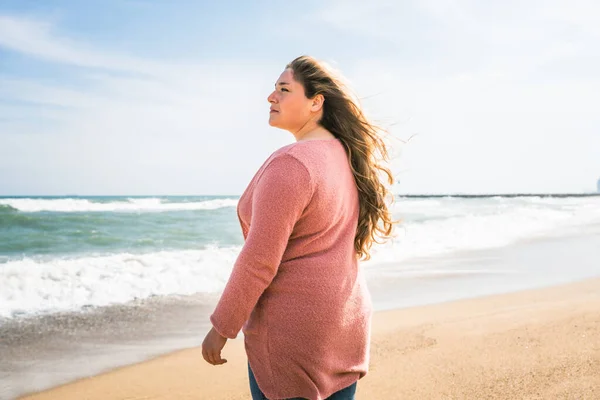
515 194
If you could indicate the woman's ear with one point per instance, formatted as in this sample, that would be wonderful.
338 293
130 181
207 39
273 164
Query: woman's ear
317 103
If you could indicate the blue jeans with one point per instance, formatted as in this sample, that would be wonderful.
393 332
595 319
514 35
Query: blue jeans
344 394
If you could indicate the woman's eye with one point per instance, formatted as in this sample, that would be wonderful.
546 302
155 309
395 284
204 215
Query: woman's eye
284 90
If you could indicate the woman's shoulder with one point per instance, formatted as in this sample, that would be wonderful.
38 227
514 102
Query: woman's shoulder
310 158
287 152
288 161
309 151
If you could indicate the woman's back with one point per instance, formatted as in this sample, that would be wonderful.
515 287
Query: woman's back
308 335
329 221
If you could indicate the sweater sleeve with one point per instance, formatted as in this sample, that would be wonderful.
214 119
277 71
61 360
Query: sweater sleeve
279 198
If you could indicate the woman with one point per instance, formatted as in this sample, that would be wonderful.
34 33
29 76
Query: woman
310 213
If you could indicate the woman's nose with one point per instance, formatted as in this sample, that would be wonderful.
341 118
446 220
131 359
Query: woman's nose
271 98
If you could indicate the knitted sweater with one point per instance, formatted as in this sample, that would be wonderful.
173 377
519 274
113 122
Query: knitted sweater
296 289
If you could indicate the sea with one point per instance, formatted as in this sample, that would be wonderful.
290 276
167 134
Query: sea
73 253
77 272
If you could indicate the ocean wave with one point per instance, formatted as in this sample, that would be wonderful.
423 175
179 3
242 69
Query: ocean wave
128 205
6 208
35 286
32 285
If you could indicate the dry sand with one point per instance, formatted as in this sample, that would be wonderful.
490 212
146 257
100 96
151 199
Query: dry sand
537 344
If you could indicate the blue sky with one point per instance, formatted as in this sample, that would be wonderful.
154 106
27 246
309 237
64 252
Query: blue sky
155 97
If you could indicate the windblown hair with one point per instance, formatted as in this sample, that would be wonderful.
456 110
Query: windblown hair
365 147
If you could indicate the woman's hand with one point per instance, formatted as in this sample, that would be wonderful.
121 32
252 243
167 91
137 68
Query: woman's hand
211 347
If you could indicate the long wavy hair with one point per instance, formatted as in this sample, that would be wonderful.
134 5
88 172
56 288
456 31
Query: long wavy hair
365 147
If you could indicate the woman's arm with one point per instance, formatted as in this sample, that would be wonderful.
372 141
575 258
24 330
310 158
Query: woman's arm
279 198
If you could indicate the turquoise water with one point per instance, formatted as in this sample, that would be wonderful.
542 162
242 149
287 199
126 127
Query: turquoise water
85 227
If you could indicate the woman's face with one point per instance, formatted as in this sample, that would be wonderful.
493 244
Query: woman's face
290 109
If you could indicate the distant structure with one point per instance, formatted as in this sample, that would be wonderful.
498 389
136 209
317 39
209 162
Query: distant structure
598 186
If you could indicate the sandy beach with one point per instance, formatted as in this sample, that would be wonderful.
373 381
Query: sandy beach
534 344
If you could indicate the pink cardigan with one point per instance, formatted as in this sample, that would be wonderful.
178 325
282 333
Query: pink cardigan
296 288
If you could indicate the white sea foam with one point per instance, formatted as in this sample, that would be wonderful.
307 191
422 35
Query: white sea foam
434 227
32 286
130 205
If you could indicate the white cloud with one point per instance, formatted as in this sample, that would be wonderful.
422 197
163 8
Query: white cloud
36 38
504 105
506 39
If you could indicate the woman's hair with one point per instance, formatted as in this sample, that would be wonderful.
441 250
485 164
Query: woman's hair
343 117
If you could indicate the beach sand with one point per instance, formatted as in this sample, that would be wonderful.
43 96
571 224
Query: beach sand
534 344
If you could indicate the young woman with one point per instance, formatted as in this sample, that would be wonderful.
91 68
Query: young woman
310 213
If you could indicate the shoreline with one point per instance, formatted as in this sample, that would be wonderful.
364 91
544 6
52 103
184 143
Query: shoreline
52 350
535 342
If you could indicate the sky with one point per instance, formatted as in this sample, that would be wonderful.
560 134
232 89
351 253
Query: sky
139 97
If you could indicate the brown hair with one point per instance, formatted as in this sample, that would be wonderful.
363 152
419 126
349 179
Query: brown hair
343 117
